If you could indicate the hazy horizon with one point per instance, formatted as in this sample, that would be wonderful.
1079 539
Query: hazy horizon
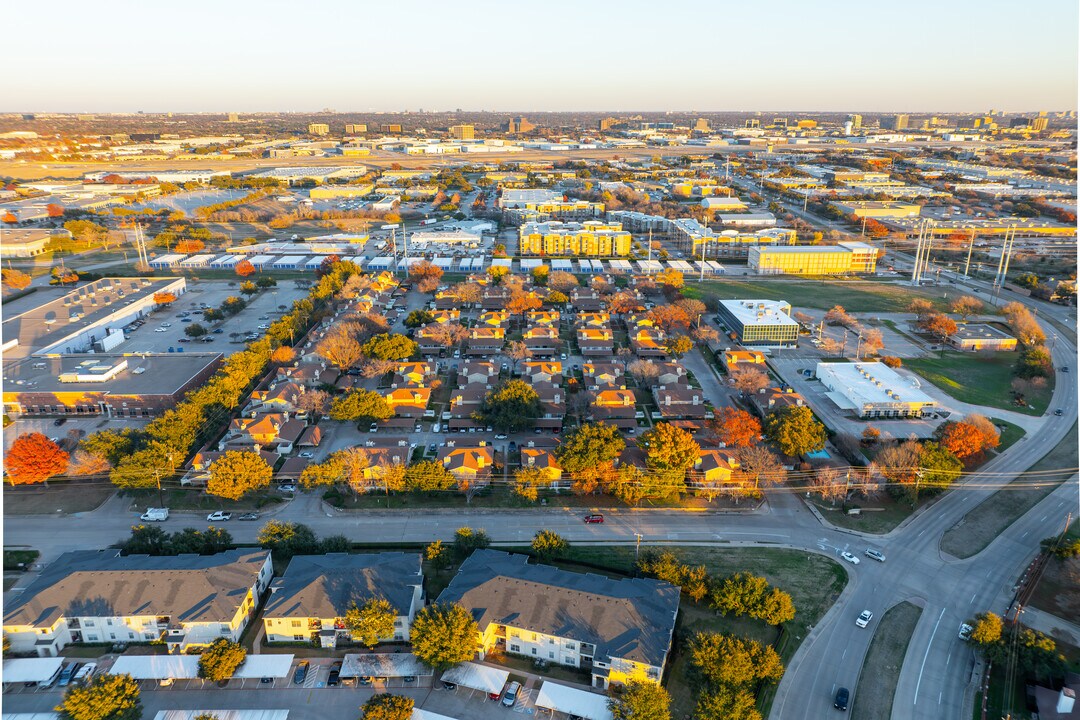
116 56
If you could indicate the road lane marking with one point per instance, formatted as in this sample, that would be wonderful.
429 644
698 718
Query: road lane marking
925 655
948 659
972 602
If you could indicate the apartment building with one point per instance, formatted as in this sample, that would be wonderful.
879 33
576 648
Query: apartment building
462 132
841 259
618 630
316 592
318 129
760 322
91 596
591 238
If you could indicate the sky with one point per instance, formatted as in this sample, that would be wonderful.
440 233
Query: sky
556 55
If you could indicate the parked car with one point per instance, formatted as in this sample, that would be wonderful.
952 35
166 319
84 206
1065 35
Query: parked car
155 515
59 421
307 454
875 554
849 557
219 516
447 685
965 632
85 674
67 672
300 675
334 678
249 516
510 696
843 696
864 618
287 488
594 518
500 436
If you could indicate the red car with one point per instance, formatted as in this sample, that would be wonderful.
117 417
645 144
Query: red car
594 519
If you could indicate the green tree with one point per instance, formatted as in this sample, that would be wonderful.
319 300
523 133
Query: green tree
548 544
428 476
195 330
733 661
389 347
360 404
641 700
726 703
590 446
466 540
438 555
236 473
987 629
388 707
511 405
286 539
200 542
777 608
740 594
417 318
219 661
444 635
371 622
266 282
110 445
248 288
105 697
938 466
669 448
146 540
795 430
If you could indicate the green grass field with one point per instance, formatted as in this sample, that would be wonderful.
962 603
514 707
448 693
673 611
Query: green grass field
979 379
881 669
854 295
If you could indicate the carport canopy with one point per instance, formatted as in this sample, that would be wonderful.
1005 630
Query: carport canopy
32 716
253 714
157 667
264 666
383 665
573 701
418 714
477 677
31 669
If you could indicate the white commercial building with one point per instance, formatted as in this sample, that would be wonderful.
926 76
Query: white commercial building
874 390
760 322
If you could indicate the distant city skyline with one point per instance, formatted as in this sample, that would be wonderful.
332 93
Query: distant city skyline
245 56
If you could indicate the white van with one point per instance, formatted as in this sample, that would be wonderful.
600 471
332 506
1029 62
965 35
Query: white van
155 515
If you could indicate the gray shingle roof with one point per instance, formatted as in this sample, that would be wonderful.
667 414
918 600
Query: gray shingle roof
188 588
324 586
631 618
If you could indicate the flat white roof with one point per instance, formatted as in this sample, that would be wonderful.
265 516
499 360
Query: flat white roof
260 666
418 714
31 716
871 383
760 312
31 669
157 667
383 665
252 714
573 701
477 677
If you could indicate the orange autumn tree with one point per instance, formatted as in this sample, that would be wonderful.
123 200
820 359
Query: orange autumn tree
16 279
283 355
190 246
34 458
968 437
735 427
244 268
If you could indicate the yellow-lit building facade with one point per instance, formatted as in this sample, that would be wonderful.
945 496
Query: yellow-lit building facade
842 259
587 239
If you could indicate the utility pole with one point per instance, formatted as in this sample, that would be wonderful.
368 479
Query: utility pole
157 480
971 246
637 547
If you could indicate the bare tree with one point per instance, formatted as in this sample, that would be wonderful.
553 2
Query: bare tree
760 467
829 483
645 371
516 351
315 402
750 381
341 347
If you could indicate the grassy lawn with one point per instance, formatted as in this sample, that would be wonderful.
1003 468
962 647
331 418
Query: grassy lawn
996 704
86 651
58 497
1009 433
985 522
814 583
1056 592
881 669
979 379
877 516
179 500
19 559
855 295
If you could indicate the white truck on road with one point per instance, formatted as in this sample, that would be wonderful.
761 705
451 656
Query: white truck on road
155 515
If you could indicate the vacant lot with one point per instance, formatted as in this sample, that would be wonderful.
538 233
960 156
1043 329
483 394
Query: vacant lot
1057 589
855 295
57 498
979 379
881 669
814 582
984 523
877 516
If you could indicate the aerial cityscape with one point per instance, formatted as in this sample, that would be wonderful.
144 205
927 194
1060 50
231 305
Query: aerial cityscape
355 367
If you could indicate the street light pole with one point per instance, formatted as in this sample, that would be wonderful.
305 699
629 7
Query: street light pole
637 547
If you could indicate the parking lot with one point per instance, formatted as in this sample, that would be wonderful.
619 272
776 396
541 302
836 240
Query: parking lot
163 330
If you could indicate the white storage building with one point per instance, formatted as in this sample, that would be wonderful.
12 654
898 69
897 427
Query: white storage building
874 390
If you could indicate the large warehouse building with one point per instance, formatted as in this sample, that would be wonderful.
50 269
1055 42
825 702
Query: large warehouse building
760 322
874 390
840 259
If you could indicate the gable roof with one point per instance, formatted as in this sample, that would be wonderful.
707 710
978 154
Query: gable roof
325 586
633 618
188 588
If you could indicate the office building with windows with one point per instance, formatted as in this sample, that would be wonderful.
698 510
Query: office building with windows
760 322
840 259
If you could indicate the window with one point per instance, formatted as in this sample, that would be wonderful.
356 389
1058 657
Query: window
131 636
112 636
109 621
296 623
551 656
571 646
91 638
298 637
88 623
534 651
515 648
